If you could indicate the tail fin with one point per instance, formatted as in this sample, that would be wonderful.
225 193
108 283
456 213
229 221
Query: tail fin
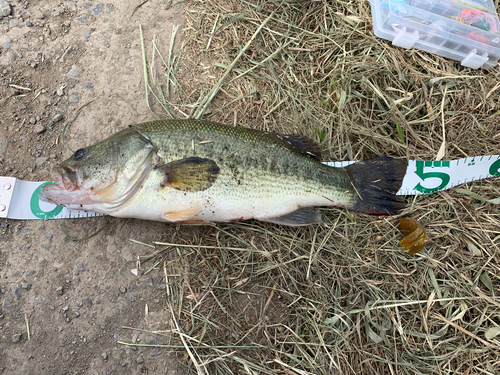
376 182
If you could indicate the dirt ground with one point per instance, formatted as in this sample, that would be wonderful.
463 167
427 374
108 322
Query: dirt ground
56 56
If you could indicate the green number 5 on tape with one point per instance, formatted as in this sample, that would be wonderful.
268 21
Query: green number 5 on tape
444 177
35 206
495 168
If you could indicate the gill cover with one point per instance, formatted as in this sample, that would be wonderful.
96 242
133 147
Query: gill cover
103 176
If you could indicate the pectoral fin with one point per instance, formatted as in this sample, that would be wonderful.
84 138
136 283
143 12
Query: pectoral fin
301 217
182 215
190 174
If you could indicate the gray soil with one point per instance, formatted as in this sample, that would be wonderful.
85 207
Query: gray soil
56 56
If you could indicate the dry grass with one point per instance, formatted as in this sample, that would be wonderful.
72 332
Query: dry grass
338 298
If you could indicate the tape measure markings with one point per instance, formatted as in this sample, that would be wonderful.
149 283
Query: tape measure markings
19 199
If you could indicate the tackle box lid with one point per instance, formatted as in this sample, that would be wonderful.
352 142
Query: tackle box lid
462 30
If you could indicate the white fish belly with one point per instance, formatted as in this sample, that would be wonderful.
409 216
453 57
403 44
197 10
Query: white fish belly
226 202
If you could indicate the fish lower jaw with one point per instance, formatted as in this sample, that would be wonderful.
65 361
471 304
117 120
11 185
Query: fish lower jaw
90 208
56 193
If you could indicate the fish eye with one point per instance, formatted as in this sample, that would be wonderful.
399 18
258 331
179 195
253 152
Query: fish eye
81 154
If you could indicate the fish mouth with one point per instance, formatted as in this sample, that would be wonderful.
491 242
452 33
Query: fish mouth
67 190
69 179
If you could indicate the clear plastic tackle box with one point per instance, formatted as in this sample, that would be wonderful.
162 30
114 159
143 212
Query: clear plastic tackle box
463 30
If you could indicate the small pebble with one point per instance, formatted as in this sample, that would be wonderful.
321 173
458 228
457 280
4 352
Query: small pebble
104 355
82 19
149 281
86 34
46 247
12 55
4 9
14 91
15 291
49 236
123 290
3 146
73 99
98 9
32 120
29 24
89 85
58 117
7 42
39 129
155 352
21 106
74 72
16 338
79 267
39 161
29 273
76 314
140 360
39 15
150 341
122 364
60 91
59 290
65 308
26 286
6 306
13 23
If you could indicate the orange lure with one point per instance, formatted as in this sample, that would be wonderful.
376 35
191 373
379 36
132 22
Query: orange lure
414 235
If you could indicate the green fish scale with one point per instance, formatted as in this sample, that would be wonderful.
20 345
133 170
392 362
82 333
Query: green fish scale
253 164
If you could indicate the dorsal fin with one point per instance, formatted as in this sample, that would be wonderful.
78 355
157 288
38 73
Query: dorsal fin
305 145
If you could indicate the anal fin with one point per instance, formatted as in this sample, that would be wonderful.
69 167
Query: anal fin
196 222
298 218
182 215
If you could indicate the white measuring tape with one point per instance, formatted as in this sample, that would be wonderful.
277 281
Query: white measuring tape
19 199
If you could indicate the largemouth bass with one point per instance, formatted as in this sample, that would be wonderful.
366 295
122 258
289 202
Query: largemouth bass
191 171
